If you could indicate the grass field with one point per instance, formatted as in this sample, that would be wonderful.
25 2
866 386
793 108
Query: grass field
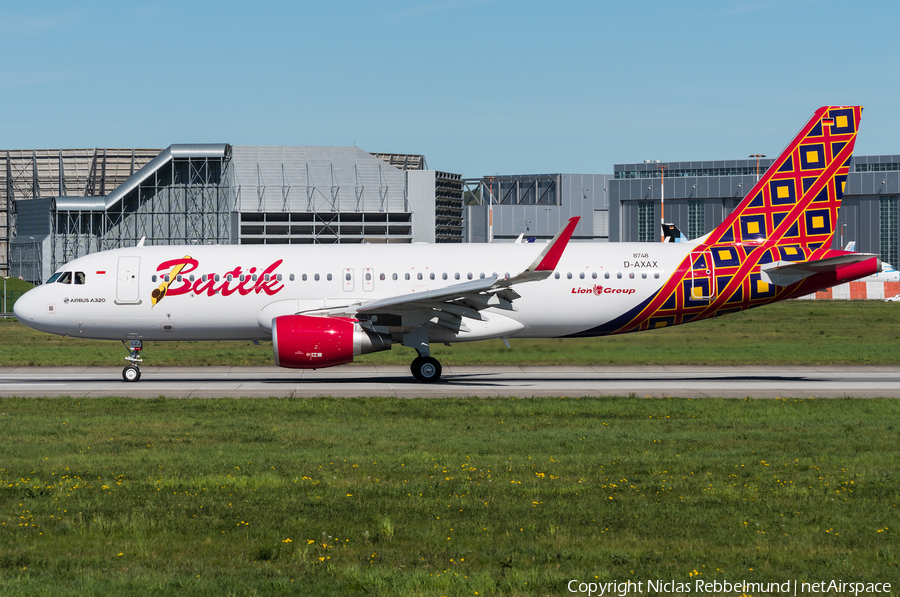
15 288
793 332
441 497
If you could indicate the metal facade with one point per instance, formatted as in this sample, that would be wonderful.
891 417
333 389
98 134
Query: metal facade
537 206
871 178
300 195
216 193
44 173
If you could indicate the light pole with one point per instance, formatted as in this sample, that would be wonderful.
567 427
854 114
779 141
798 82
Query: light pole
491 211
757 156
662 202
5 278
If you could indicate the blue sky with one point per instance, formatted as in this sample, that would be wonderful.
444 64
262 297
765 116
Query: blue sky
478 86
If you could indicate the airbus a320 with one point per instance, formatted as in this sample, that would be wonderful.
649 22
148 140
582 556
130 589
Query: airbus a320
323 305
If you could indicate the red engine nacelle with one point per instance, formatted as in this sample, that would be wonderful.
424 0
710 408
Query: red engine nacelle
304 342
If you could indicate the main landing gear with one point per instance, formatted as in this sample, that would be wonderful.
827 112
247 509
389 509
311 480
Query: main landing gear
132 372
426 369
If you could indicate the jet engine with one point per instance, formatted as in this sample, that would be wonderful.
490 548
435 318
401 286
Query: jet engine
305 342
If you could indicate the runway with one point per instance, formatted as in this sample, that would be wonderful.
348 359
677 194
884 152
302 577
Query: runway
487 381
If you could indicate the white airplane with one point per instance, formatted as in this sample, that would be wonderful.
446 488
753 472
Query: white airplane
888 273
322 305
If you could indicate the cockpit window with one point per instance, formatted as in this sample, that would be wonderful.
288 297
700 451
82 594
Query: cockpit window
65 278
79 277
54 277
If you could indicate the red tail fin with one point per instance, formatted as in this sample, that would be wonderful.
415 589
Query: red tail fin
796 201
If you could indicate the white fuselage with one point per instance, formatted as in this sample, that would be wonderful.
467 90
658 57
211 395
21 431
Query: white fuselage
592 284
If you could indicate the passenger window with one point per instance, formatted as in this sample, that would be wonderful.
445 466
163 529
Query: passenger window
347 277
569 275
406 276
328 277
606 275
631 275
65 278
228 277
166 277
303 277
217 277
431 276
581 275
153 279
381 276
191 278
368 277
594 275
419 276
393 276
469 275
456 276
556 275
481 275
278 277
444 276
178 278
253 277
202 278
644 275
292 277
56 276
316 277
619 275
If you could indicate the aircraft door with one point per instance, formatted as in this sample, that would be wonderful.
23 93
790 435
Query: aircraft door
368 279
703 276
347 279
128 280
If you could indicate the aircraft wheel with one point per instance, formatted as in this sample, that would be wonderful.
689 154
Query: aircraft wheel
131 373
426 369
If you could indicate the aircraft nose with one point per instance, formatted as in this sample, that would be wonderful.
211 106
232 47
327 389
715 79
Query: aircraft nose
26 308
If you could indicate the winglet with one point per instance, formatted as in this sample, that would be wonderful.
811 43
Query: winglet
546 262
551 255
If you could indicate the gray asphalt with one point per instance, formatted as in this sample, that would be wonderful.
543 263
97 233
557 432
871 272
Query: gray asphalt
354 380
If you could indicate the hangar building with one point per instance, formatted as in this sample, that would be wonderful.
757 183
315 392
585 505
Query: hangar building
700 195
40 174
71 202
626 206
537 206
219 194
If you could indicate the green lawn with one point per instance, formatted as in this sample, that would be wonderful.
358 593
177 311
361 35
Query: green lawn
14 289
441 497
793 332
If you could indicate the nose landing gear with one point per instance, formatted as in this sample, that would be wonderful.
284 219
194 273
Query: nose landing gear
132 372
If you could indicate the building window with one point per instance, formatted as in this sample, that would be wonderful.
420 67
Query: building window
646 217
696 219
888 225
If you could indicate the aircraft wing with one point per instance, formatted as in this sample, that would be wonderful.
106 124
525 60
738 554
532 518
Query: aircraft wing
785 273
447 306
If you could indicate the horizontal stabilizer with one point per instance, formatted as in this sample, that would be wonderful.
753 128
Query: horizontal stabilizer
785 273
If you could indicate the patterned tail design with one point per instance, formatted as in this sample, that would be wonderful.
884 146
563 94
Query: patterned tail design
790 215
